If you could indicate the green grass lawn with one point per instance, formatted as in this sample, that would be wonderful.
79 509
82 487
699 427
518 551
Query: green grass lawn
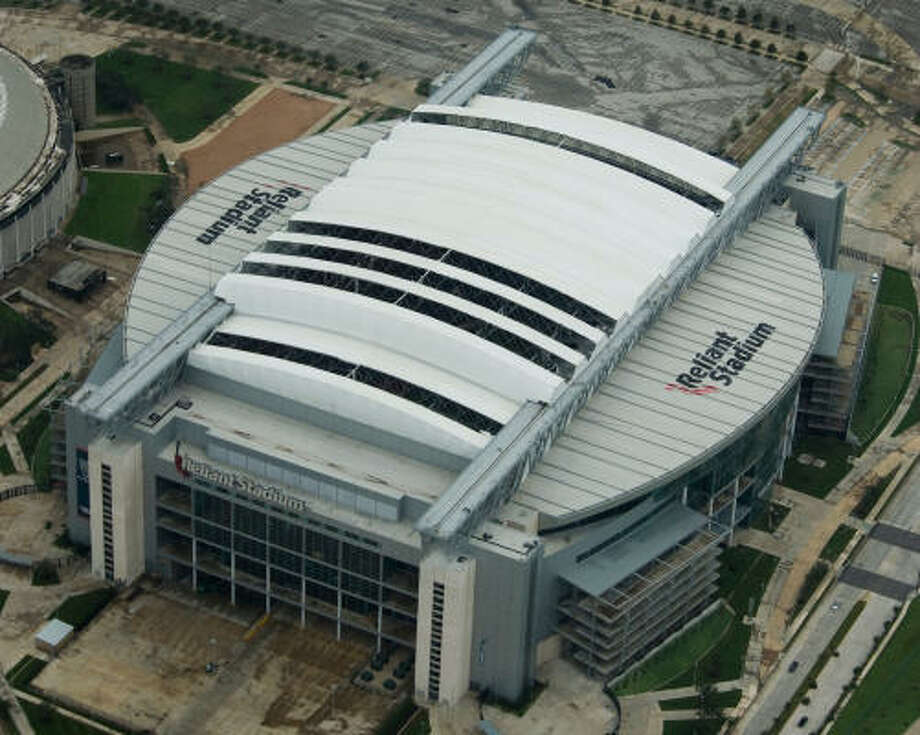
121 209
888 700
715 647
79 610
769 517
837 543
813 480
814 578
728 698
896 289
26 669
3 595
47 721
30 435
672 660
887 370
185 99
692 727
871 495
121 122
6 462
35 373
40 461
17 336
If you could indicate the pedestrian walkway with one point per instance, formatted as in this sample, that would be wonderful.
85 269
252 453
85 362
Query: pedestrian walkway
888 534
878 583
20 464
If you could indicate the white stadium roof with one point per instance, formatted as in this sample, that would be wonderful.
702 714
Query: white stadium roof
641 427
178 268
446 272
28 125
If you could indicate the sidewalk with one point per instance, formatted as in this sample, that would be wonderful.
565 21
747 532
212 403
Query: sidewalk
20 463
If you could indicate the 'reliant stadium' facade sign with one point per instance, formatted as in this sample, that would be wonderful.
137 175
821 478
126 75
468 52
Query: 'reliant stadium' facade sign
721 362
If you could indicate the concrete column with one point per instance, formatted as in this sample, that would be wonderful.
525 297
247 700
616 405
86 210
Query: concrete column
232 554
125 461
455 622
338 612
735 488
303 577
380 603
194 540
268 567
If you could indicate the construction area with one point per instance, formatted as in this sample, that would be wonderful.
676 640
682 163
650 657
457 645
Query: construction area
188 663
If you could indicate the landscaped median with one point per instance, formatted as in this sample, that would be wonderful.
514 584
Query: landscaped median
887 701
819 665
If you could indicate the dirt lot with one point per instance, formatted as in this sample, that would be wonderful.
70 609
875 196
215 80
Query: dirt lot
102 308
137 154
277 118
30 523
143 662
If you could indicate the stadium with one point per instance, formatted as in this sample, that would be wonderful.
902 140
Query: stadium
38 176
493 383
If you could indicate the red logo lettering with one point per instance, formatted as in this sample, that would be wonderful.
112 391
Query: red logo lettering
701 391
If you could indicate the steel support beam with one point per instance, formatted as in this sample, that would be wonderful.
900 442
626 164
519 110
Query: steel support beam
489 71
496 473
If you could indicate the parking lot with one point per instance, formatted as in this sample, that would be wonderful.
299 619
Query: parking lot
682 86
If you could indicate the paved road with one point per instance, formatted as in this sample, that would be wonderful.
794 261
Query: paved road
882 558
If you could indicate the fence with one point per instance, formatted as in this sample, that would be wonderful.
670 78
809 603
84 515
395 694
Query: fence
862 255
15 492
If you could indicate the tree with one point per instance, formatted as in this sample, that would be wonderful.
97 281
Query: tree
741 14
801 56
725 11
771 49
708 5
705 29
709 700
739 39
363 67
757 19
754 44
637 10
790 30
331 62
774 24
720 33
672 19
688 24
423 88
655 15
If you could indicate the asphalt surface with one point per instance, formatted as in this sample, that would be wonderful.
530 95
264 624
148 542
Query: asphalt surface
896 564
682 86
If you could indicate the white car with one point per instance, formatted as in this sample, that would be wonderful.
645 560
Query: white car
874 278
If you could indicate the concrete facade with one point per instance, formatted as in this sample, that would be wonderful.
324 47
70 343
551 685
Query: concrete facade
80 78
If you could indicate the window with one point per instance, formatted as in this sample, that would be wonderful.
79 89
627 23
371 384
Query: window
368 376
484 268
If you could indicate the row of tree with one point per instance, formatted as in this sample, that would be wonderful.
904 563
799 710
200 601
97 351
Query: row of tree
157 15
739 15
